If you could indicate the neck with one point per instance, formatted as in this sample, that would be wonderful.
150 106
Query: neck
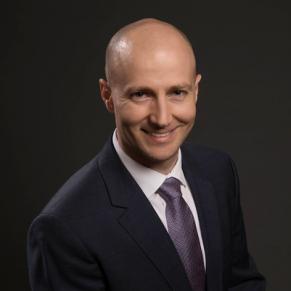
164 167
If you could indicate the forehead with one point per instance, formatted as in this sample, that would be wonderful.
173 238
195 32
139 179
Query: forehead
163 66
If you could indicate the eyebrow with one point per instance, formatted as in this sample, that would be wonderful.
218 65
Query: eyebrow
138 88
181 86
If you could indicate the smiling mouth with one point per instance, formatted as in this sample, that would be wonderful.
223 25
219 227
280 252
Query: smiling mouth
160 134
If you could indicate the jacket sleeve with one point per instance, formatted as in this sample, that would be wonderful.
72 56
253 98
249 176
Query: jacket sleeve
57 259
244 274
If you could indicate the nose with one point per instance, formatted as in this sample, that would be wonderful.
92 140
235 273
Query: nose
161 115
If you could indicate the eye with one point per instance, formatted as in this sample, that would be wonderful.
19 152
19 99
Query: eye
179 92
138 94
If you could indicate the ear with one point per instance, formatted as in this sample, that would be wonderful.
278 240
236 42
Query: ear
105 93
197 80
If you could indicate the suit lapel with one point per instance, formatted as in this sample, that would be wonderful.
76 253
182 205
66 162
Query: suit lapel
207 209
140 220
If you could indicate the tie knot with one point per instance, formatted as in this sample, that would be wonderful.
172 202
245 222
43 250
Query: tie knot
170 189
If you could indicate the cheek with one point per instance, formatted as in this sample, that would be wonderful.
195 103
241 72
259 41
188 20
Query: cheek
130 114
186 113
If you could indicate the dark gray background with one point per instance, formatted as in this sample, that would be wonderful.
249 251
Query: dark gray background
53 120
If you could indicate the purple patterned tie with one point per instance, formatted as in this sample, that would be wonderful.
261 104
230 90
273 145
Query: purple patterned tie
183 232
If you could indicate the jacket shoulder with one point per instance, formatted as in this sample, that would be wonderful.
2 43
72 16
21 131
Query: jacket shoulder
201 153
79 195
210 162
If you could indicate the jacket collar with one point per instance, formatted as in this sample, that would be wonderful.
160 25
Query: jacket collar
205 199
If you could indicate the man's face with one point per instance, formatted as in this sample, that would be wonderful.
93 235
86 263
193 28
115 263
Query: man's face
154 103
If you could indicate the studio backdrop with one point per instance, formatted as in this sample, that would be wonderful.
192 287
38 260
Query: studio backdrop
53 120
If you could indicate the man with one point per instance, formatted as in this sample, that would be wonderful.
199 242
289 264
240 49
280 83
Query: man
148 213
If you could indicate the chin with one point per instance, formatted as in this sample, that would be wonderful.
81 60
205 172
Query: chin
161 156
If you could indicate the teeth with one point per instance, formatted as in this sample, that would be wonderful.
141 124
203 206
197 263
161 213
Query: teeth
160 134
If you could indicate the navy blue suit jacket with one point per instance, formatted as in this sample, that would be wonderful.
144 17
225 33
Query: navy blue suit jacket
99 232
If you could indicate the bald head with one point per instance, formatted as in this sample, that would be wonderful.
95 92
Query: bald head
146 38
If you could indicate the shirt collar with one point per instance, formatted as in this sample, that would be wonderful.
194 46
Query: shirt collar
148 179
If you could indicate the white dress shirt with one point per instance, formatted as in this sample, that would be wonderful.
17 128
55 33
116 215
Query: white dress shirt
150 181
